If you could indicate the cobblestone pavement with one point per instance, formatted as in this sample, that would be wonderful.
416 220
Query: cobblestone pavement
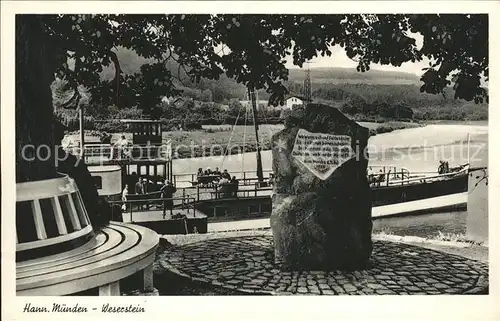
247 264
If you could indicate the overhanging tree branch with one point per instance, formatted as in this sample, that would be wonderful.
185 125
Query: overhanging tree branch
68 104
116 62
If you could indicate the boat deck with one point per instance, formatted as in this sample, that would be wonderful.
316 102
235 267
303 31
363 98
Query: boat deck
157 215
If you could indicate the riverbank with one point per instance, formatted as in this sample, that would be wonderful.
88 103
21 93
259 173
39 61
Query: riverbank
456 122
464 247
215 140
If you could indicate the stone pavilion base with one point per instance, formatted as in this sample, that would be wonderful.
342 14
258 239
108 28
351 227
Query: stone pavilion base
246 264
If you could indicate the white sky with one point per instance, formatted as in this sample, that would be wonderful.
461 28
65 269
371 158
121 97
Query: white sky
339 59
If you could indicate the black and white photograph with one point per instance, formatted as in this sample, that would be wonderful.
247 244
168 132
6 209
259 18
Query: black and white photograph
247 154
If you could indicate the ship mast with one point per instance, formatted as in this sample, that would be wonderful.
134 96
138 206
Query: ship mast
307 85
252 94
82 131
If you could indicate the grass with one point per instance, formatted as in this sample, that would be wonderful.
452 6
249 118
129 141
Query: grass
440 237
243 138
454 237
214 140
387 127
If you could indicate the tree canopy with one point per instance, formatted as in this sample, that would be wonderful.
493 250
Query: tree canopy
252 49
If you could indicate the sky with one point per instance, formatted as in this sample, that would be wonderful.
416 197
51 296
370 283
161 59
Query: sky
340 59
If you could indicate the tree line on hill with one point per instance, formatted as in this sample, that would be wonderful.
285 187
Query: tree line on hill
215 105
184 113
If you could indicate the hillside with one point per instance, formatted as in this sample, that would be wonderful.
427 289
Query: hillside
335 75
130 63
330 85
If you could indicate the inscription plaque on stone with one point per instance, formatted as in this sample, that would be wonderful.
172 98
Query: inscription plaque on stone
322 153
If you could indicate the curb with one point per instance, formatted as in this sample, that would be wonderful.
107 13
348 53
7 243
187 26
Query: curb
174 270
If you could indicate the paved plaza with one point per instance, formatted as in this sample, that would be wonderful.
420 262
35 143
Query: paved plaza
246 263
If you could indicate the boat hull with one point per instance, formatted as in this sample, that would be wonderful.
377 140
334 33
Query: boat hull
386 195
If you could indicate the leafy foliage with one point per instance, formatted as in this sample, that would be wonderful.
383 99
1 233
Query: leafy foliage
252 50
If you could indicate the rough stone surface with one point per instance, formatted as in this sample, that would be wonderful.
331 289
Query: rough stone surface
414 274
321 224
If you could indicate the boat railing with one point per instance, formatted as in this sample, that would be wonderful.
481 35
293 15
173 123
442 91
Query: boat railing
255 192
216 191
386 175
429 177
94 150
245 178
108 152
144 204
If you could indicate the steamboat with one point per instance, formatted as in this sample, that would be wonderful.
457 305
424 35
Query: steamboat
207 197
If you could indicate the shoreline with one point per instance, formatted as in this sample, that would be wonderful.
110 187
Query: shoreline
213 140
473 251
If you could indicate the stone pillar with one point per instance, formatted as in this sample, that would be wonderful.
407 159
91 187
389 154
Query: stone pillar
321 216
147 279
110 289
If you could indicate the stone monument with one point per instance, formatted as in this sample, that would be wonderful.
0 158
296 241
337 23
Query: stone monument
321 217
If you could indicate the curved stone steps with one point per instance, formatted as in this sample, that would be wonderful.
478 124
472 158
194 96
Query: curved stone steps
118 251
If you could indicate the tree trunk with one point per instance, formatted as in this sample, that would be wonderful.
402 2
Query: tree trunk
34 111
36 153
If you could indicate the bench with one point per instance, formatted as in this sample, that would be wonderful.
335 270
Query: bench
118 251
207 180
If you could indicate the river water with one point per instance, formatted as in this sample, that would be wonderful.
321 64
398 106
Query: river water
417 149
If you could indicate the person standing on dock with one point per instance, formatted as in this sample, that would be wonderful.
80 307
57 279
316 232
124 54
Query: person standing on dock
167 192
145 191
139 191
124 198
138 187
234 186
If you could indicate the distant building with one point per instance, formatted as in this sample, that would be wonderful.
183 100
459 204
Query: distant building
291 101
